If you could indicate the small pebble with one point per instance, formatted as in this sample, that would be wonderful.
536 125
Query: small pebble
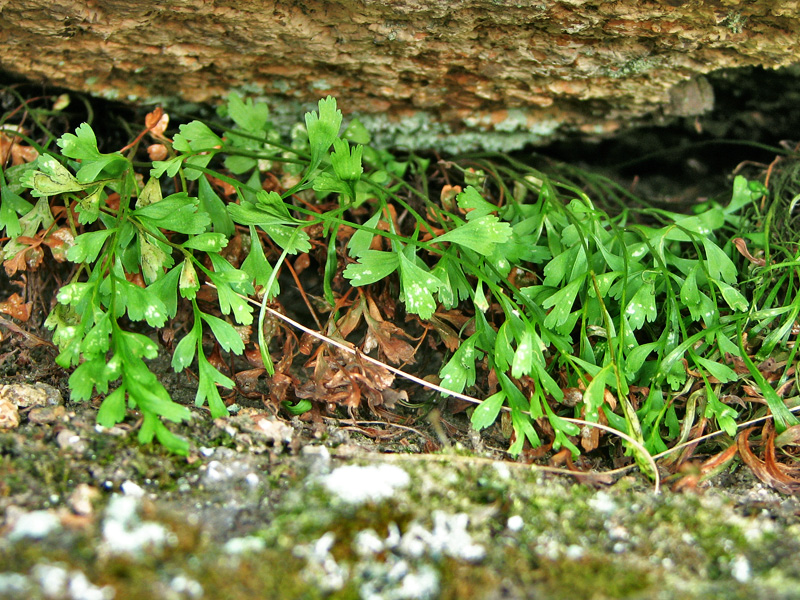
9 414
81 499
275 431
43 415
24 395
69 440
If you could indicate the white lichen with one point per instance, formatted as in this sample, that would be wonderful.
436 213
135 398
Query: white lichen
355 484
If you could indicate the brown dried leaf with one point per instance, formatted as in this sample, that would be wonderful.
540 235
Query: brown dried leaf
768 471
253 356
741 246
16 307
676 460
353 398
339 378
247 381
784 390
307 342
370 342
216 360
719 460
310 391
693 475
59 241
19 154
350 320
287 357
31 340
564 457
323 371
733 399
233 251
384 333
572 396
113 201
610 399
34 257
244 331
376 377
372 308
396 351
23 154
737 364
771 366
530 455
157 152
774 467
5 148
302 262
689 371
388 302
446 333
18 262
279 386
167 335
492 382
590 436
136 279
448 196
156 122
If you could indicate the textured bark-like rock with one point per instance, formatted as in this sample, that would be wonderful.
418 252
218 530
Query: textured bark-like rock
424 69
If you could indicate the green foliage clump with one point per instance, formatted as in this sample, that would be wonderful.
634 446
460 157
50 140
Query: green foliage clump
559 295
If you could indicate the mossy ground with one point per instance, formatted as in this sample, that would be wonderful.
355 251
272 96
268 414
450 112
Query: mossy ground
542 536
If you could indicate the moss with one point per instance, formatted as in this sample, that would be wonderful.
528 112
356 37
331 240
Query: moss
593 577
268 574
565 540
461 581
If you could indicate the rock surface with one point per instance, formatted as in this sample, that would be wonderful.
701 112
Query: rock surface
423 70
246 518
